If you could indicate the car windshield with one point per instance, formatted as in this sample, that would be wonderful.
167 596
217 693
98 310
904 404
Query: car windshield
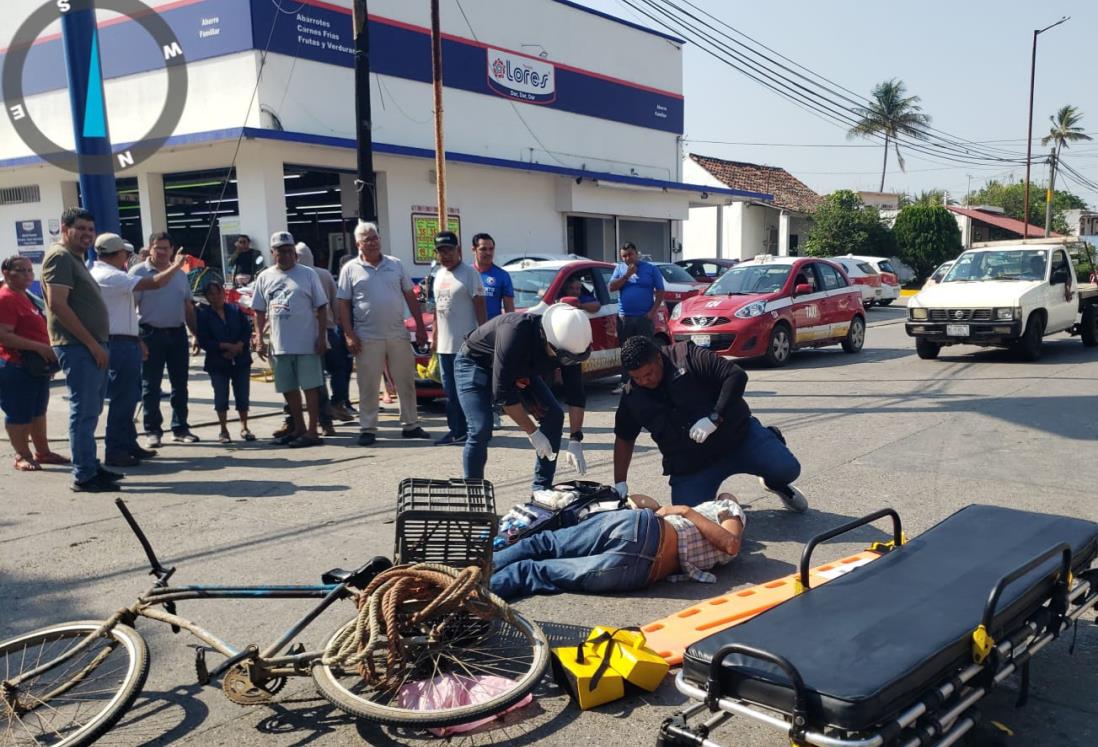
942 270
675 274
748 279
530 285
1006 264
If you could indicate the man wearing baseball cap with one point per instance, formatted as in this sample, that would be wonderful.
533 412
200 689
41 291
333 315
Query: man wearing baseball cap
459 309
125 348
292 298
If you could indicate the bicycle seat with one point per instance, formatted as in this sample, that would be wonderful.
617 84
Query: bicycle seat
360 577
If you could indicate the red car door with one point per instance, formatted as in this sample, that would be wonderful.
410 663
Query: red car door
809 310
842 300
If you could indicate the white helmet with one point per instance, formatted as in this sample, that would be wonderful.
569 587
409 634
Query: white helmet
567 329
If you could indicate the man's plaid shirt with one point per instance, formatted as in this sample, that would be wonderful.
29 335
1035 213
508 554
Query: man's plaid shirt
696 554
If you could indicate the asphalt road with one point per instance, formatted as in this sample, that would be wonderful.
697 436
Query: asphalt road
882 428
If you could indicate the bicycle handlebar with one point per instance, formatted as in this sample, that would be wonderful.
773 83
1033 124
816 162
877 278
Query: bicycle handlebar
162 573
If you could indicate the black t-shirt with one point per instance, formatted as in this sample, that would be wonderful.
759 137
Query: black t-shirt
245 263
512 346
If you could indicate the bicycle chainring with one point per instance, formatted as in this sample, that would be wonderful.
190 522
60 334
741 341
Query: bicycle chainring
239 688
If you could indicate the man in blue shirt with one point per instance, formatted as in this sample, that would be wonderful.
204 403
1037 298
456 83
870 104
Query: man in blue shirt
640 286
499 294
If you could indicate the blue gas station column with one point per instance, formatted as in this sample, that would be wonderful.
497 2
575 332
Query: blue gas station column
89 116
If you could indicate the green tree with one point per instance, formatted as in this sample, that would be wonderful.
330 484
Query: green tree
1065 129
925 197
1011 198
893 114
926 236
844 225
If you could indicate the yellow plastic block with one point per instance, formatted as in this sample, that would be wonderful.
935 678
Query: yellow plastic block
576 676
629 656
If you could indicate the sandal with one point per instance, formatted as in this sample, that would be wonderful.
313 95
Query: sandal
223 438
247 435
22 464
51 457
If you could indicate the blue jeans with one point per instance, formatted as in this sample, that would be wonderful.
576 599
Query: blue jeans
241 380
760 453
338 363
474 385
124 390
455 418
87 388
167 346
613 551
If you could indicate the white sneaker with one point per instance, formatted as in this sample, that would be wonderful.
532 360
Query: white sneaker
793 500
152 441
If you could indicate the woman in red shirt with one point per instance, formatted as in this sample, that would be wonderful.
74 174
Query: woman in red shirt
26 360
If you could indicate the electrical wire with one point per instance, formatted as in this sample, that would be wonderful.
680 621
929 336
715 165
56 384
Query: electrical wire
828 104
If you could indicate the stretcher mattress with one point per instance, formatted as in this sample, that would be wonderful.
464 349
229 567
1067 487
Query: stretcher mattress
869 643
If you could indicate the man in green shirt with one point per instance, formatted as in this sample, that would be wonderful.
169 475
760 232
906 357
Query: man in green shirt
79 332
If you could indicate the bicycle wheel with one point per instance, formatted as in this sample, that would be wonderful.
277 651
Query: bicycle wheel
505 646
76 701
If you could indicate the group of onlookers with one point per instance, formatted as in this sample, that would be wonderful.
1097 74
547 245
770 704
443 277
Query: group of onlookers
114 328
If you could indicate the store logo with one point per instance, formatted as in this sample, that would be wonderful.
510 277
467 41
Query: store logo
523 78
95 116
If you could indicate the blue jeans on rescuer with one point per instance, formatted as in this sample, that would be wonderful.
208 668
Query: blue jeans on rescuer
474 385
124 390
455 417
612 551
760 454
167 346
87 385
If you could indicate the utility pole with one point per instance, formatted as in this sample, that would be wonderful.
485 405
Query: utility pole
1051 191
440 150
1029 125
98 192
365 183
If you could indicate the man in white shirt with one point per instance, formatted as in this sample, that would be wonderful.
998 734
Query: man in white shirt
459 309
373 291
125 348
291 296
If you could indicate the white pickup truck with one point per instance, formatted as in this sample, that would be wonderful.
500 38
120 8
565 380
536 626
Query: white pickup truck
1008 294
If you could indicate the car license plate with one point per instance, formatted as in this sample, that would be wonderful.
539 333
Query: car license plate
957 330
702 340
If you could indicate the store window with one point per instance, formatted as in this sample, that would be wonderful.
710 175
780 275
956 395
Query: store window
591 237
194 202
652 237
315 213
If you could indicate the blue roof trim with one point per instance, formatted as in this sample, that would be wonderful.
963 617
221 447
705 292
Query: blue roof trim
622 21
405 150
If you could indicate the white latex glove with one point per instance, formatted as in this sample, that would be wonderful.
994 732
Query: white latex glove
541 445
573 457
702 429
622 489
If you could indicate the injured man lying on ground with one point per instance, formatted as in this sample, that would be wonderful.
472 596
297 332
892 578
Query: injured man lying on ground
623 550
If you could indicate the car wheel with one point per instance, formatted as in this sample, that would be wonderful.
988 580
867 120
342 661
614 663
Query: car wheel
1029 347
886 301
780 347
926 349
1088 326
855 336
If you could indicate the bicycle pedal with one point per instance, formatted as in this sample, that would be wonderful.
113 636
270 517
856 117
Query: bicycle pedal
200 667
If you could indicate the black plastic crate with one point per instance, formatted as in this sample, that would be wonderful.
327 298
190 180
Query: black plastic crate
446 521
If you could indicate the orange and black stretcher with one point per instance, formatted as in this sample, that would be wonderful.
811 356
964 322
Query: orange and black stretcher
901 650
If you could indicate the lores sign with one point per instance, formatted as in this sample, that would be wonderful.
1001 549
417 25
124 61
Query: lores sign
524 78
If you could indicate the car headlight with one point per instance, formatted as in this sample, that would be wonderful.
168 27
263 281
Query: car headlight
918 313
677 311
1003 315
757 308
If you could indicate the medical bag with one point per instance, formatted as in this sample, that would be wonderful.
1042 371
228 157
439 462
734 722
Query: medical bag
565 505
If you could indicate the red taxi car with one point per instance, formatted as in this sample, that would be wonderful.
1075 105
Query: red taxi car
539 284
770 306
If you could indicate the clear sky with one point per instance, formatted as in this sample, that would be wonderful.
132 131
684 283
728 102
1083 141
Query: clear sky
968 60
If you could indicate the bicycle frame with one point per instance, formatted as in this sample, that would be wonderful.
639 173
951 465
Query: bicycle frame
267 662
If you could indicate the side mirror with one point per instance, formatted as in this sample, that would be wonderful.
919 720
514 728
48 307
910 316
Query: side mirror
1059 276
802 289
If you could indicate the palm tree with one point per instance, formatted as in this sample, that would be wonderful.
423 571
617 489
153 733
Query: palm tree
1065 129
891 113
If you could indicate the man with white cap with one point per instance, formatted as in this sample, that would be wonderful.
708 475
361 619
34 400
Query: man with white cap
291 297
505 361
126 349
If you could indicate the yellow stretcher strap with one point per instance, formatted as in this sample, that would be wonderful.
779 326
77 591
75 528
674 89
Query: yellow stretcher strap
982 644
798 587
884 547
